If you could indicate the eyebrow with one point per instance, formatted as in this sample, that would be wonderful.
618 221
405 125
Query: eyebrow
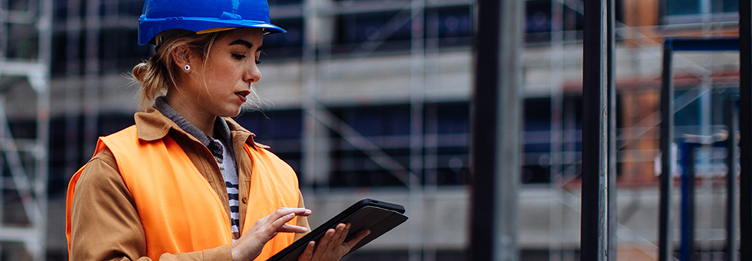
242 42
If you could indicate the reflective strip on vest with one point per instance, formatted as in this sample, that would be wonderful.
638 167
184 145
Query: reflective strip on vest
178 208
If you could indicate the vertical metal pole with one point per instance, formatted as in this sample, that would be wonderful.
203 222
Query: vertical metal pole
556 222
4 32
43 123
610 54
688 203
310 136
665 247
72 88
91 80
731 207
594 222
745 128
496 131
417 93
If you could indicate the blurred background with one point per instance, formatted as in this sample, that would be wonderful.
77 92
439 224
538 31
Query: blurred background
371 98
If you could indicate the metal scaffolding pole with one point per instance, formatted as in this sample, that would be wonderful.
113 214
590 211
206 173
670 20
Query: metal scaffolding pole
72 89
665 244
92 78
745 129
595 128
27 165
556 231
496 126
417 140
612 158
731 184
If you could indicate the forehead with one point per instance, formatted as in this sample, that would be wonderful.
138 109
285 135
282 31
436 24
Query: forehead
254 36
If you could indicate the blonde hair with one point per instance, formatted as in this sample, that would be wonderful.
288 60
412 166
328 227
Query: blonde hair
157 74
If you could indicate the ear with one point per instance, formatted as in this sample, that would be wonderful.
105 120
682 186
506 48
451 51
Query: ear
181 55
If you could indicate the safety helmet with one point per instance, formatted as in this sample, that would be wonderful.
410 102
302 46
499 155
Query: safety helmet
202 16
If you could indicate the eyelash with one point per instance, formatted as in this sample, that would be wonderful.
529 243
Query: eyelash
240 56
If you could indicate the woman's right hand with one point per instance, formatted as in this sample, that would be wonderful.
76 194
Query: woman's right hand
249 245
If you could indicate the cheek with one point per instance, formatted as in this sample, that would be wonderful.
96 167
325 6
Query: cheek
225 70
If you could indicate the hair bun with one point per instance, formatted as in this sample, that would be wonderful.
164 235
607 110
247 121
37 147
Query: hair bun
139 71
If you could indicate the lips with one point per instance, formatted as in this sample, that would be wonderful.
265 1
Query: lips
241 95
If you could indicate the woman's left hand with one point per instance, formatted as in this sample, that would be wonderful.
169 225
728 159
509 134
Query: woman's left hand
332 245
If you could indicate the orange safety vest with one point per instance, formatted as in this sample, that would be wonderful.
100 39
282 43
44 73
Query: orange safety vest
178 208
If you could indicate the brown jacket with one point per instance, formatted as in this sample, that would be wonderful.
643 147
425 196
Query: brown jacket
105 223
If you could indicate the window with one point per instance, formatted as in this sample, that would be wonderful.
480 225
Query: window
391 30
538 20
689 11
285 45
695 7
284 2
450 122
452 25
131 8
388 127
536 155
118 50
280 130
445 26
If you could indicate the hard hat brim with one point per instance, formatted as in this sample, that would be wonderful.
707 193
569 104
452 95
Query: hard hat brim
153 27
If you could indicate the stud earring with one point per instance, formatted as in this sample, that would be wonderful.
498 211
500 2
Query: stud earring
187 67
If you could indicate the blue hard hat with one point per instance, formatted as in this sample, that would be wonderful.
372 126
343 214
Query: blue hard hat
202 15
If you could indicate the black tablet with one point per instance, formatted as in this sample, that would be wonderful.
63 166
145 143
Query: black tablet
378 216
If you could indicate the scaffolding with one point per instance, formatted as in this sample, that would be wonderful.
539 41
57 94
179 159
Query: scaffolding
318 118
23 26
85 91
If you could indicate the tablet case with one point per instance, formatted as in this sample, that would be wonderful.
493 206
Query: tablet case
378 216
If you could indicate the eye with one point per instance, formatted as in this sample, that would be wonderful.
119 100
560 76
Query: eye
238 56
257 61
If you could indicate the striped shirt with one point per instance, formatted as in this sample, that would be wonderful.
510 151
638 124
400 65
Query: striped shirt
227 168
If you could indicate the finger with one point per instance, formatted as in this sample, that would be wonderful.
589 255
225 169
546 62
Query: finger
340 235
357 238
325 240
292 228
308 252
279 222
286 211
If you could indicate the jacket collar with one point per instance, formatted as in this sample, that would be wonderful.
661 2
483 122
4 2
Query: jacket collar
152 125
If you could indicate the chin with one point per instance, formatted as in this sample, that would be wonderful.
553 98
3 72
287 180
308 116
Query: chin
229 113
234 113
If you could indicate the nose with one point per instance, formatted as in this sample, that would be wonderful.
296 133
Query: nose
252 74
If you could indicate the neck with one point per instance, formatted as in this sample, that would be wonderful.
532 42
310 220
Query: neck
203 120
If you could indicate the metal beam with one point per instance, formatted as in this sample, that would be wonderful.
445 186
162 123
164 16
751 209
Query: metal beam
665 244
595 90
687 223
745 128
731 155
496 126
22 68
612 155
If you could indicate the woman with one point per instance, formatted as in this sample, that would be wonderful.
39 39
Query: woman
186 182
